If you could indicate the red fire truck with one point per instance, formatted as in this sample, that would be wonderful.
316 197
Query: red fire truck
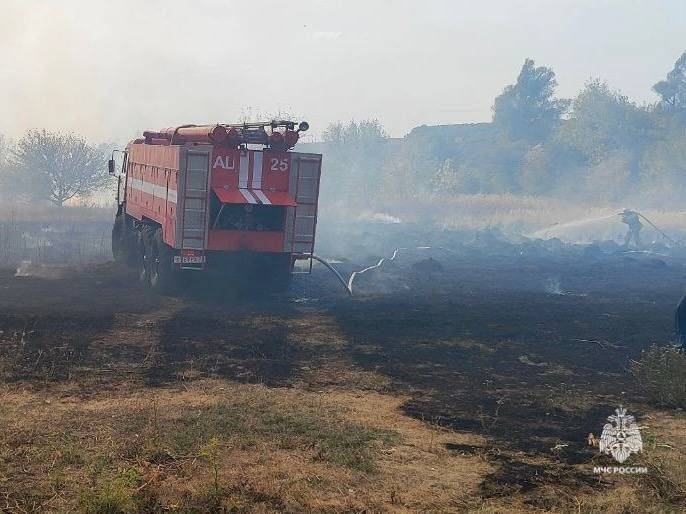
228 199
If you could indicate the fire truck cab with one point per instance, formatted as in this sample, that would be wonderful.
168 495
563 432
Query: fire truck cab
230 200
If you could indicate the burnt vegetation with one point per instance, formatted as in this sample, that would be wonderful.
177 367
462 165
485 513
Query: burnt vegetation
214 404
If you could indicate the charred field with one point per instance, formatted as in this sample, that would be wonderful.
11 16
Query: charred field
467 381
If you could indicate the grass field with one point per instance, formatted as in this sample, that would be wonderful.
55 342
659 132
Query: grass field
512 213
472 389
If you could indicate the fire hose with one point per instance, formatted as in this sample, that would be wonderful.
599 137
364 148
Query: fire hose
348 286
658 230
335 272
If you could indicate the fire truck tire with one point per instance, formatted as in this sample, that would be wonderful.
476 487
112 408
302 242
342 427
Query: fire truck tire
163 277
124 239
130 239
142 251
119 246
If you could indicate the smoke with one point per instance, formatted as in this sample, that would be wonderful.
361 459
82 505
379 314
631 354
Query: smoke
108 71
27 269
53 77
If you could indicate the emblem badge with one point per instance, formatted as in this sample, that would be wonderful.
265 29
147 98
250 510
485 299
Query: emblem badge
621 436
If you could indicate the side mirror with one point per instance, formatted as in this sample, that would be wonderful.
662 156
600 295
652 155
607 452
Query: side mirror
110 166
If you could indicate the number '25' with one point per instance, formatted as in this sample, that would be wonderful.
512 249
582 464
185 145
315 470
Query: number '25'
276 164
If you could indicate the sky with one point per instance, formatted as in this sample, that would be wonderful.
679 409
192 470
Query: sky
108 70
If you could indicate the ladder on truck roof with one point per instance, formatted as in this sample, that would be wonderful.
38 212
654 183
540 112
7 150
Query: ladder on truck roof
308 171
194 214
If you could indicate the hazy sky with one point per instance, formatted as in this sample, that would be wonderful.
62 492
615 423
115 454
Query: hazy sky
108 69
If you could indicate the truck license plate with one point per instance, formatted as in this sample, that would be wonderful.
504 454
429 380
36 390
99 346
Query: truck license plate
189 259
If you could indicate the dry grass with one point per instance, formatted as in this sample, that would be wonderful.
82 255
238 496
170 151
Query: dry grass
664 446
661 375
491 210
220 445
47 234
515 212
46 213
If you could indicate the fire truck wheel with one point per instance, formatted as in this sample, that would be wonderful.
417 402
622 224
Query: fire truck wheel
124 239
143 258
130 238
118 241
163 277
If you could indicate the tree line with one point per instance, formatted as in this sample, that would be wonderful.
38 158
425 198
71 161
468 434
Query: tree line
599 146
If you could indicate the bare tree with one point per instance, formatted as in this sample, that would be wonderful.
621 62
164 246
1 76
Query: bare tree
57 167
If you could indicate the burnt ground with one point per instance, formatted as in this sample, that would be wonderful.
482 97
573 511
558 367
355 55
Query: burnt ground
528 354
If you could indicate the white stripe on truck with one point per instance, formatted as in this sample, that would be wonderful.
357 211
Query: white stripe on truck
153 189
261 196
243 171
246 194
257 170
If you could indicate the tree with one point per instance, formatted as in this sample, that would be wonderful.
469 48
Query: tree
604 121
672 90
57 167
527 109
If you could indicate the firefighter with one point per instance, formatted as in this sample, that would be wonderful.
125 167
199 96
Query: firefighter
634 228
